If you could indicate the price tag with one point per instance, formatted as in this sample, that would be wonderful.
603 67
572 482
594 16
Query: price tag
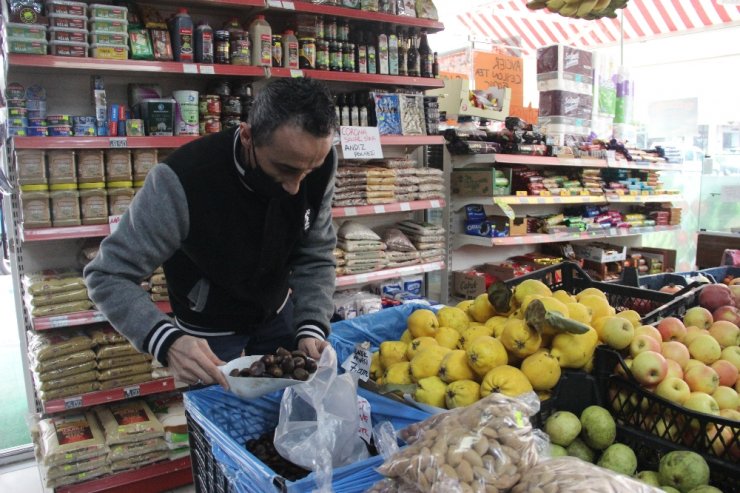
506 208
73 402
545 193
288 5
645 192
365 428
620 191
585 193
118 142
521 193
133 391
359 362
59 321
564 193
189 68
207 70
296 74
634 192
360 143
113 222
275 3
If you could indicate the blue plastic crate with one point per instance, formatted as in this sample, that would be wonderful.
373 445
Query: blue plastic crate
657 281
719 273
228 421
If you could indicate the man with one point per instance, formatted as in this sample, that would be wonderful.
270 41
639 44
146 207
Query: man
241 222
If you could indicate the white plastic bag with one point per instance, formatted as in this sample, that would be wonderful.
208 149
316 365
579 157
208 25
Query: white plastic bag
318 423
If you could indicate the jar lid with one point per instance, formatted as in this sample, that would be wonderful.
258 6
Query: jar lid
89 186
63 186
34 188
138 183
120 184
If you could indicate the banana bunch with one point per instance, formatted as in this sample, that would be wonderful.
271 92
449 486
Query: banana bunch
580 9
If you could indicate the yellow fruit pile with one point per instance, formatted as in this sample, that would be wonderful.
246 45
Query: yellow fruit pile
470 350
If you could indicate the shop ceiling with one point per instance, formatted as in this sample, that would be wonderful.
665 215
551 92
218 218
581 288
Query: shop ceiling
511 23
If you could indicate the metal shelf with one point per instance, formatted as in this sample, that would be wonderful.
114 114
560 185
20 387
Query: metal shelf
101 142
641 199
368 210
460 161
66 233
460 240
81 318
162 476
355 77
111 395
380 275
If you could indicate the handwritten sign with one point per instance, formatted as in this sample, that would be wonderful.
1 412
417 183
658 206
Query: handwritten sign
360 142
113 222
359 362
499 70
365 429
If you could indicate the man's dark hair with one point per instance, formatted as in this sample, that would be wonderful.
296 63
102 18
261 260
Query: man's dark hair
306 103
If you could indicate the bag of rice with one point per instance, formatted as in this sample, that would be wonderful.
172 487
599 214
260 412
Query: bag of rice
49 345
116 350
103 335
68 439
129 421
105 364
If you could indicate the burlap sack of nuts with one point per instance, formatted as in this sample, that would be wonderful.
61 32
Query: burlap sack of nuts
485 447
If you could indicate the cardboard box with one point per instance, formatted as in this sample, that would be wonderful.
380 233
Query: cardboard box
566 103
468 285
666 256
564 68
600 252
454 100
479 181
158 115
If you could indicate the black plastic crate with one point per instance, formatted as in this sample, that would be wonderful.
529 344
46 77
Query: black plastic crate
636 408
575 391
208 474
651 305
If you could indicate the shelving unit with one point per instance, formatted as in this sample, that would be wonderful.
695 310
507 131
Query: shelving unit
161 476
75 319
108 396
368 277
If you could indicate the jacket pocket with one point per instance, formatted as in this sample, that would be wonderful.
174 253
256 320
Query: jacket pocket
198 295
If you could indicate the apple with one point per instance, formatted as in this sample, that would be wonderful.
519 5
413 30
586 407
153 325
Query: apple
726 333
726 398
643 343
674 389
721 440
617 332
691 332
663 430
705 348
620 371
702 379
675 351
672 329
713 296
730 414
735 290
674 369
727 372
650 331
692 362
732 354
698 317
649 367
727 313
703 403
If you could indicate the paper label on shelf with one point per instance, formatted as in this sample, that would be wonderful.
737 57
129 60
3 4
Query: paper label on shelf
288 5
59 321
620 192
506 208
611 158
73 402
564 193
359 362
585 193
118 142
207 70
545 193
189 68
634 192
646 192
435 204
113 222
405 206
133 391
521 193
360 142
365 428
296 74
275 3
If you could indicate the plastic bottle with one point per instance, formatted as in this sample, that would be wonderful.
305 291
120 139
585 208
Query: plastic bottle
290 50
261 37
392 53
382 53
372 56
181 31
204 43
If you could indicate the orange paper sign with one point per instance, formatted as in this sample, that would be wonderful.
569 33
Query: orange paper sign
498 70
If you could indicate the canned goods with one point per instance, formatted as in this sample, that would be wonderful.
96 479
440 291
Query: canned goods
209 105
17 112
17 103
15 91
18 121
210 125
277 50
59 119
33 131
37 122
232 105
230 122
221 48
307 53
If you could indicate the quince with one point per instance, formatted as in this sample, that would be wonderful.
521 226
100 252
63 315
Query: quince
422 322
496 324
579 313
418 344
397 374
506 380
574 350
485 354
590 292
481 309
431 391
406 337
453 317
447 337
472 333
541 369
563 296
465 306
519 339
599 306
455 367
426 363
392 352
376 370
530 286
462 393
632 316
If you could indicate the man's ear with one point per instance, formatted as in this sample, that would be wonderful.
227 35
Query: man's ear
245 134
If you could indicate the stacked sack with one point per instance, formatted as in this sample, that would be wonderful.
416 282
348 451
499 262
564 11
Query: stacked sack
63 364
170 411
56 292
431 184
429 239
363 185
401 251
119 362
133 434
360 249
413 183
591 181
70 448
156 285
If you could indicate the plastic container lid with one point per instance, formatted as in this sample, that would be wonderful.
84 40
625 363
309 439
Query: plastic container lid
58 187
67 16
26 40
107 45
107 19
109 7
34 188
55 29
138 183
82 44
88 186
120 184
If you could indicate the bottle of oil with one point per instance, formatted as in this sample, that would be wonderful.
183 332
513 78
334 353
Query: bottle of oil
261 37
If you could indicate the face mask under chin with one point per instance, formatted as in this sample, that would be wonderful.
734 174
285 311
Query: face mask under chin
261 182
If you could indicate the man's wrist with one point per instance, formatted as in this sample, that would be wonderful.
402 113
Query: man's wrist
160 339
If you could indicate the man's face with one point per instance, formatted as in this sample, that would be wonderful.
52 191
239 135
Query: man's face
289 157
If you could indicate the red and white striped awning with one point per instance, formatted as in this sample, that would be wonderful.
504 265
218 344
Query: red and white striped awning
512 23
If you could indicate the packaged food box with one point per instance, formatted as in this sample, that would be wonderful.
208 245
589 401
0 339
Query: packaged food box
68 21
109 52
16 112
18 121
59 130
66 7
27 47
68 48
561 67
26 31
68 35
158 115
59 119
18 131
31 165
565 103
116 39
37 132
101 11
487 181
98 25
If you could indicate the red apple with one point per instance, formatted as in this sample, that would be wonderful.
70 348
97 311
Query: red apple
702 379
671 288
728 313
727 372
732 354
674 389
712 296
620 371
691 332
735 290
674 369
676 351
706 349
672 329
732 414
643 343
723 439
726 398
649 368
725 332
698 317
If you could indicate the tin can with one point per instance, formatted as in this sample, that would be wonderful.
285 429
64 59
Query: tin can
307 53
277 50
221 48
232 106
209 104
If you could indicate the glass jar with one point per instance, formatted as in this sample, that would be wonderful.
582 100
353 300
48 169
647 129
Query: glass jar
307 53
241 53
120 195
65 205
93 203
221 47
277 50
35 206
322 54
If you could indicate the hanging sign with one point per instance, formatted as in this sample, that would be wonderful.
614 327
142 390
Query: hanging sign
502 71
360 143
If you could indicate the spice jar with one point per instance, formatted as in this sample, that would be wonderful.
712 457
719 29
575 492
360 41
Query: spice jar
65 205
120 195
35 206
93 203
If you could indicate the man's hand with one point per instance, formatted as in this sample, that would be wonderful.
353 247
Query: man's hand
312 347
192 361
